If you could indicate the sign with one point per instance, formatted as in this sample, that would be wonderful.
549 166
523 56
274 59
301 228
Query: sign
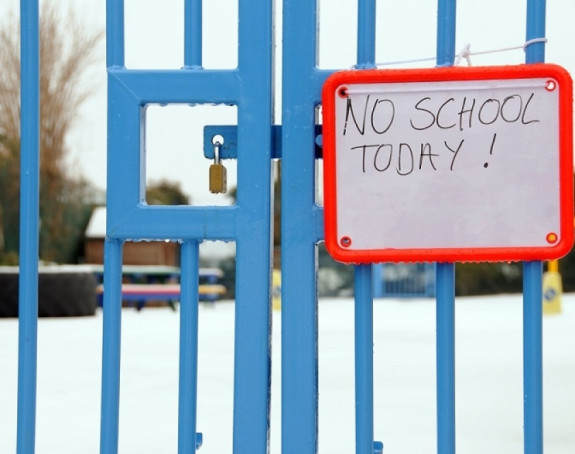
448 164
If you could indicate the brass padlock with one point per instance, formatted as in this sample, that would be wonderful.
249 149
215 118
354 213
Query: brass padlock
218 173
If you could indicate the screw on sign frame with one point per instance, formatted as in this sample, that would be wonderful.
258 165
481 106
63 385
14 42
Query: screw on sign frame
448 164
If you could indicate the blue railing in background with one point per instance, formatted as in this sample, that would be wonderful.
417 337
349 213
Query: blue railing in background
404 280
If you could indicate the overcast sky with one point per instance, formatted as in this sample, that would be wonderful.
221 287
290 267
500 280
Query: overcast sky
154 32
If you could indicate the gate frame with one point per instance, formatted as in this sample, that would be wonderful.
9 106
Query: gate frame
302 228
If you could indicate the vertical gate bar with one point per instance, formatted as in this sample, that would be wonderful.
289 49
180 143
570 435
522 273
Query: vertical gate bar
111 346
446 23
29 219
363 360
533 284
536 14
532 357
364 274
445 358
193 33
252 357
188 387
114 33
112 300
445 291
366 34
298 229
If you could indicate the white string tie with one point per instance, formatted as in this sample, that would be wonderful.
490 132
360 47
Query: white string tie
466 54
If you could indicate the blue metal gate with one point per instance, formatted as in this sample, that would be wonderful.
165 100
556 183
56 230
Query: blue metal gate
247 223
302 228
250 88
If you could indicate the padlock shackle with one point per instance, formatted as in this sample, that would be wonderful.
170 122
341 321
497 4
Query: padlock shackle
217 146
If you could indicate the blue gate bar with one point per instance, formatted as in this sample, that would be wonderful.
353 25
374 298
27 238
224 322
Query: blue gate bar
188 384
111 346
193 33
533 284
445 358
29 221
230 135
446 22
366 34
532 358
445 280
363 360
185 222
364 274
114 33
112 314
299 229
214 86
536 15
252 355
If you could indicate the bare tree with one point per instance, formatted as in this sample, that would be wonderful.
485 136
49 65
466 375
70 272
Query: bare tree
67 50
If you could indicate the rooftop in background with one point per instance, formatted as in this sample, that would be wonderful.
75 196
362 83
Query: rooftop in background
97 225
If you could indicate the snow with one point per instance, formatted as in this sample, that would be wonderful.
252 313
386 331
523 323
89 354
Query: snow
489 379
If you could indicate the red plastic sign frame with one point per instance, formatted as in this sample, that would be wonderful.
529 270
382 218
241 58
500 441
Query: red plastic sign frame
339 205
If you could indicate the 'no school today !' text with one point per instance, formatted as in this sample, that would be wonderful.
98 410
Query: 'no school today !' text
378 126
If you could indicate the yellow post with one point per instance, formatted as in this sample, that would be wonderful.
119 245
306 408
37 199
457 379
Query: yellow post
552 289
276 290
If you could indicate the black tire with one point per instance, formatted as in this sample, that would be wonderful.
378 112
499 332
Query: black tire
60 294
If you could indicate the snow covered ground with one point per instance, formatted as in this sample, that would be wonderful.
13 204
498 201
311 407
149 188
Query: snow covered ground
489 379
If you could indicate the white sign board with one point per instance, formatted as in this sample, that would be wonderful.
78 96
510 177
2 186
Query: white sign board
448 164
